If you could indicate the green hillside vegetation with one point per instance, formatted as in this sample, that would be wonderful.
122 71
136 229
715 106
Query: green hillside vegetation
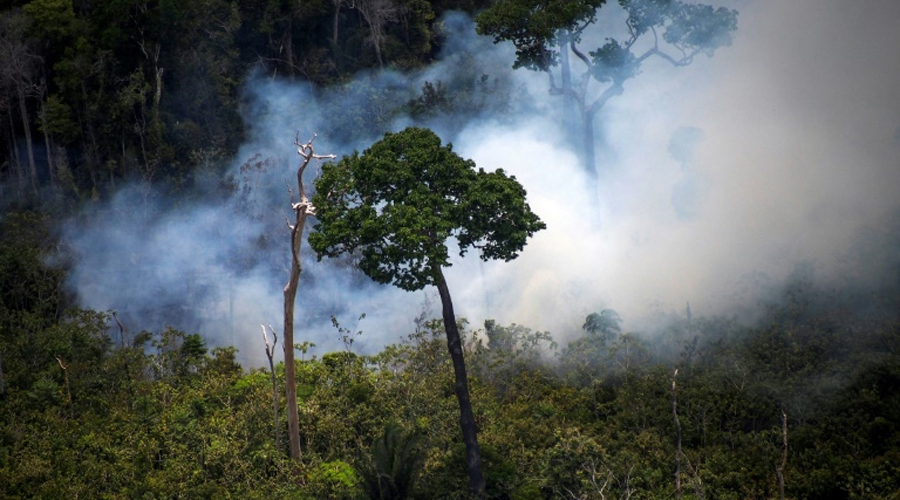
92 410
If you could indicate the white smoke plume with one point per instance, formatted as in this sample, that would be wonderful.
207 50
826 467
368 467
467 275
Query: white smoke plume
781 149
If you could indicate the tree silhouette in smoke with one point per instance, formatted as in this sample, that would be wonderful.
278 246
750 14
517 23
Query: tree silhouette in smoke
547 32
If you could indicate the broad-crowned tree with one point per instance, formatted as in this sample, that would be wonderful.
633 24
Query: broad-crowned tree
398 204
547 32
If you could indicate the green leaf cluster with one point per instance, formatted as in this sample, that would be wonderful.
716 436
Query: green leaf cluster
534 27
399 202
161 416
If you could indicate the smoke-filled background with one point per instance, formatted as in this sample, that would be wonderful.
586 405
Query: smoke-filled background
716 182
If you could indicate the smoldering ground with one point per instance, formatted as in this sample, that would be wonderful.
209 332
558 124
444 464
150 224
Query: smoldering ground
716 181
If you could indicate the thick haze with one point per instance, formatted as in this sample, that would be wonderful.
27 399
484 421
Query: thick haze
717 180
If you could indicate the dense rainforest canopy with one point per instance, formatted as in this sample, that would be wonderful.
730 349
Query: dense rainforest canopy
95 93
93 409
803 402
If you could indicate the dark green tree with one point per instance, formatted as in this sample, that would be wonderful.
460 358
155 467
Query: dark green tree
546 32
397 204
606 325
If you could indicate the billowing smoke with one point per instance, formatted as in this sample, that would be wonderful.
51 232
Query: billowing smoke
716 181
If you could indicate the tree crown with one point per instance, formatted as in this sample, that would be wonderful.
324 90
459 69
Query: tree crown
535 27
399 202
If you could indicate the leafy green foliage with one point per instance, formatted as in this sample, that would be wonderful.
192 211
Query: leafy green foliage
384 426
400 201
149 89
537 27
533 26
606 324
395 463
335 480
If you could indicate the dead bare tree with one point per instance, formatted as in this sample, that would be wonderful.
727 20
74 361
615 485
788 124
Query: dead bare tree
302 209
270 353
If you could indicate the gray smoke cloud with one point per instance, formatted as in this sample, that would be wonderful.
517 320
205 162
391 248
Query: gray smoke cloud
716 180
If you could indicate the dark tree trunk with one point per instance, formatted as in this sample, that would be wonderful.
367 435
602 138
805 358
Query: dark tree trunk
466 416
32 169
569 101
289 45
588 114
16 164
337 53
590 157
48 146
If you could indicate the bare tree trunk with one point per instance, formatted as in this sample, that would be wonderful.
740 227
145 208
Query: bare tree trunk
49 147
301 210
376 14
466 416
290 295
32 170
588 114
335 21
587 138
16 165
47 144
337 53
157 93
569 100
270 353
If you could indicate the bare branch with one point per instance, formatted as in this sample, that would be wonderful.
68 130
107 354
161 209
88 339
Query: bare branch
614 90
270 353
579 54
121 328
274 335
